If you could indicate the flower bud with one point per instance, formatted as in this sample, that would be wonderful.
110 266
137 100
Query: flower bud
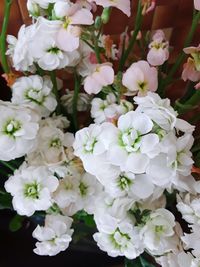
106 15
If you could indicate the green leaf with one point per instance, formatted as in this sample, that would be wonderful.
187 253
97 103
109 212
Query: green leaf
16 223
145 263
133 263
5 201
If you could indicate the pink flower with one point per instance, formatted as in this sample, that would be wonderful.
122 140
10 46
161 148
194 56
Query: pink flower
190 72
197 4
123 5
197 86
68 36
140 77
148 6
102 75
195 53
159 49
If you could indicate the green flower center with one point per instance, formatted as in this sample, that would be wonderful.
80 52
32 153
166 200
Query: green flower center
130 140
11 127
83 189
35 95
32 190
123 182
53 50
55 143
89 145
119 239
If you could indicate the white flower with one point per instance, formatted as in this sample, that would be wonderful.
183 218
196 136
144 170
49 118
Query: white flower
44 49
192 240
52 143
121 239
181 259
18 130
159 110
107 207
60 122
54 237
189 207
121 184
108 109
35 92
158 232
19 49
140 77
132 143
31 189
42 3
82 104
168 169
90 147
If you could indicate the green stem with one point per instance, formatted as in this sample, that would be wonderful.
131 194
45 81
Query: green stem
7 165
96 48
182 55
138 24
4 61
191 103
55 91
75 101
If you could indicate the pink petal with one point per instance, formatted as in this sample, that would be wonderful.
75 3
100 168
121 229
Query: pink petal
66 41
82 17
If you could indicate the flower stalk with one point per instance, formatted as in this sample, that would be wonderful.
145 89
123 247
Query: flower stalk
181 57
137 28
75 101
55 91
4 61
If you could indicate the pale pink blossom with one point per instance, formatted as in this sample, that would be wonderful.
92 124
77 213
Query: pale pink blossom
140 78
197 4
68 37
148 6
190 72
102 75
123 5
159 49
197 86
195 53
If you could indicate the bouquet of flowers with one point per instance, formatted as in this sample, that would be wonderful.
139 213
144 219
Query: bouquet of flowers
109 150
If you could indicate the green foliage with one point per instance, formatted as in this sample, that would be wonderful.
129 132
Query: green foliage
16 223
5 200
139 262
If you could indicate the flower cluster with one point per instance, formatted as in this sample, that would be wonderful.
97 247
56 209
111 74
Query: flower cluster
110 147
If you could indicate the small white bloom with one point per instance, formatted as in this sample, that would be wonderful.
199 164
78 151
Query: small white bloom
159 110
122 239
132 143
54 236
44 49
82 104
52 143
108 109
181 259
189 207
192 240
19 49
158 232
18 130
31 189
35 92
